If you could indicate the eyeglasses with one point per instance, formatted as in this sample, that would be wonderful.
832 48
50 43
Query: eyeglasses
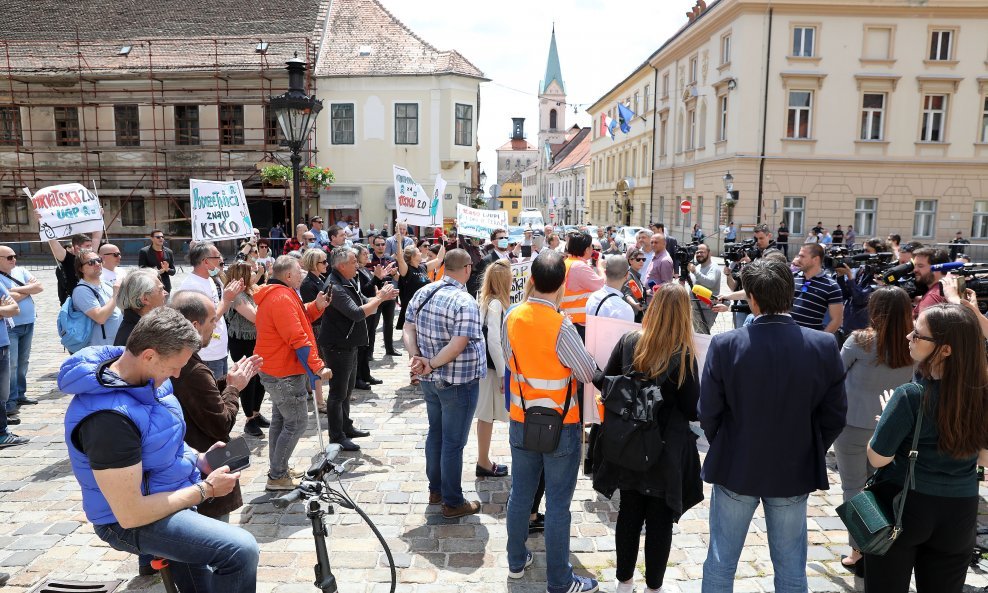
117 254
157 236
914 335
95 262
214 257
10 257
639 259
322 262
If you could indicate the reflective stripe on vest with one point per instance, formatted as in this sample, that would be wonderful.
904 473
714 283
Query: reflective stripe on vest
574 302
545 381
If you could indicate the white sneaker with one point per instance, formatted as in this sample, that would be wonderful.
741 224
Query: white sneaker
517 574
628 587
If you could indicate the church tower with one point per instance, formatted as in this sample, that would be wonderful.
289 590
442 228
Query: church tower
552 100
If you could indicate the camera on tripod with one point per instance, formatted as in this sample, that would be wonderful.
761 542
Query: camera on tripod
685 253
737 251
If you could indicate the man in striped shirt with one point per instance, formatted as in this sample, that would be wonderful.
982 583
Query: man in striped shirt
816 293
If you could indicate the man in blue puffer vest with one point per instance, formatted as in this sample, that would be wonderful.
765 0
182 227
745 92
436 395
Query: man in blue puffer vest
140 481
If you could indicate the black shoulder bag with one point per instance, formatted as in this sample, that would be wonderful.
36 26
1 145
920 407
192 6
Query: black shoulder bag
543 425
483 330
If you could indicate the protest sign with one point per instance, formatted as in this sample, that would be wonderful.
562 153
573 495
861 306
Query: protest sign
471 222
66 210
520 273
413 203
219 210
435 209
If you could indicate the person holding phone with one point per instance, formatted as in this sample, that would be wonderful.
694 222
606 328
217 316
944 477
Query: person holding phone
209 412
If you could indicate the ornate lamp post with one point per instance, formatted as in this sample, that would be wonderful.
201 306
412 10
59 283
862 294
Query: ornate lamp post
297 115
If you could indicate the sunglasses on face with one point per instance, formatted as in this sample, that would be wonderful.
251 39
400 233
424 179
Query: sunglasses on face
158 237
639 259
10 257
116 254
94 262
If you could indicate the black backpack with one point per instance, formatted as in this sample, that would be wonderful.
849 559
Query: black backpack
630 436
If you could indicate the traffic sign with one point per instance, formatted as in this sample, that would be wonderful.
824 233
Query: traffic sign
685 206
552 215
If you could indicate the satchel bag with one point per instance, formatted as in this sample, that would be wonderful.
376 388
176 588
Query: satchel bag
543 425
868 520
630 435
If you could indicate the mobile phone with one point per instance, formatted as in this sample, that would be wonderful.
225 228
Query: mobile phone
526 251
961 286
236 455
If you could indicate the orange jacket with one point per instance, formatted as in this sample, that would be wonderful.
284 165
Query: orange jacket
283 325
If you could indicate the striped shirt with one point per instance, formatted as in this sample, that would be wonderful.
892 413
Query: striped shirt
569 347
451 312
813 297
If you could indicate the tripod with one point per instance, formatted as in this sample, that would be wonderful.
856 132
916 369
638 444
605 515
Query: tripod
684 278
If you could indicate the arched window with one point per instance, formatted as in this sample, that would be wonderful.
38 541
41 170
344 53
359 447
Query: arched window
552 119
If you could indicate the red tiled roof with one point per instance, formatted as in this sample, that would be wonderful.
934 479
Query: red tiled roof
394 48
516 145
573 153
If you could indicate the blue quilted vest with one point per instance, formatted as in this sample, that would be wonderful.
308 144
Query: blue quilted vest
168 463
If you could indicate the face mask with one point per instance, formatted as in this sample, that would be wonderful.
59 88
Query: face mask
214 272
312 245
502 243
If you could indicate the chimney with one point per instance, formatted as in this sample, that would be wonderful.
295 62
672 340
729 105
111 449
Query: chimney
517 128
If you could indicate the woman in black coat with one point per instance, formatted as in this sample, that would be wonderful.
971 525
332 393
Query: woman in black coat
315 262
663 353
369 281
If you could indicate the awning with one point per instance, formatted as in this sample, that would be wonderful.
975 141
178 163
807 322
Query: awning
340 198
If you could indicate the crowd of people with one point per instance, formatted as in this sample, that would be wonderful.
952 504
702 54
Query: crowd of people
168 372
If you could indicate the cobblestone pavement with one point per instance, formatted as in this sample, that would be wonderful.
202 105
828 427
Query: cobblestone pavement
43 531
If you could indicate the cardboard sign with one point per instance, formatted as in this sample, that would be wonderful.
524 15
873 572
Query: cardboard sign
471 222
414 205
520 273
67 210
219 210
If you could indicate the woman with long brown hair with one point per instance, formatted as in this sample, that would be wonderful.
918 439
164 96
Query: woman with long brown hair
242 335
876 358
495 297
941 510
661 353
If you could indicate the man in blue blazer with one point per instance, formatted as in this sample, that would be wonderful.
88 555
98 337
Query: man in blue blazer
772 402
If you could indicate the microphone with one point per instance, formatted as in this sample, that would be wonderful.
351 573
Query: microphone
953 265
892 275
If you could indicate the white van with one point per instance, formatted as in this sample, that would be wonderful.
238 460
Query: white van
531 218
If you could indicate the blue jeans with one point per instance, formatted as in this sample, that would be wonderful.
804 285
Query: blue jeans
219 367
20 350
730 517
289 417
4 384
562 468
207 556
450 409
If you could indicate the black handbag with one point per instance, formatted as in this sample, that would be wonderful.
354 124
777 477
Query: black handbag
543 426
868 521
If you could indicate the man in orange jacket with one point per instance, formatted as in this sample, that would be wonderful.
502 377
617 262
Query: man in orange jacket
288 347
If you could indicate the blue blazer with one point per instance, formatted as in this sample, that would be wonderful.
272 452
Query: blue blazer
772 402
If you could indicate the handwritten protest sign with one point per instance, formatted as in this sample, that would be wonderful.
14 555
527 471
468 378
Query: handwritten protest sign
520 273
67 209
471 222
435 208
219 210
413 203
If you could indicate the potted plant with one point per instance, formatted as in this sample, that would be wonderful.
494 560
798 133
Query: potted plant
318 177
276 174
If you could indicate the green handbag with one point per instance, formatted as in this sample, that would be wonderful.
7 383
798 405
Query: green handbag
867 520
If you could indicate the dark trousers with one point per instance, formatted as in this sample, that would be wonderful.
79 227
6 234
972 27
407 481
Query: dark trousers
251 395
938 536
364 352
784 247
343 363
387 318
637 509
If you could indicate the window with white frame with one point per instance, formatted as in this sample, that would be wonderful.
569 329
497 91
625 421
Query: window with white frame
793 213
648 97
934 118
865 210
691 129
941 45
635 104
979 225
984 121
925 218
464 125
406 123
803 39
725 50
722 118
873 116
665 85
693 69
798 118
662 138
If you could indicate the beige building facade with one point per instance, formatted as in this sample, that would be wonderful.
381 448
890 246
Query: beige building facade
866 114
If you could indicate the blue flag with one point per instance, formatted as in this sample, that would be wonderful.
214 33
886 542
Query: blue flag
625 116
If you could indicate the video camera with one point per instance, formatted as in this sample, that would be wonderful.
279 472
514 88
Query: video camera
975 277
736 251
842 257
685 253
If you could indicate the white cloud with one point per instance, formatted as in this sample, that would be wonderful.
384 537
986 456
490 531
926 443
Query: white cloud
599 45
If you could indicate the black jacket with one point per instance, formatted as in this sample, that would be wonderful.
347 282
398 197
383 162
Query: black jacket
146 259
311 286
344 324
130 319
676 476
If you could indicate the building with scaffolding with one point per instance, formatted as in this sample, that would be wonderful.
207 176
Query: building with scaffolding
137 104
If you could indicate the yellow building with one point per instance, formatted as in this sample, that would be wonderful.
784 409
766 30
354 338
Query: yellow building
511 197
866 114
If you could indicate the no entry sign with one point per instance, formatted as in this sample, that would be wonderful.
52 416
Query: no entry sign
685 206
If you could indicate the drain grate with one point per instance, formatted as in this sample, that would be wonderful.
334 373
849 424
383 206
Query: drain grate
61 586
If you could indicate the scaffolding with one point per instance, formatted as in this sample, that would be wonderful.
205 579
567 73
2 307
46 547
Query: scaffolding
103 113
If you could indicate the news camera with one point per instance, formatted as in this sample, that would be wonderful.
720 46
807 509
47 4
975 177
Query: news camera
975 277
842 257
737 251
685 253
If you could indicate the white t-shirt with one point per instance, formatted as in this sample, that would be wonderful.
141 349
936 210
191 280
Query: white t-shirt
615 307
111 276
217 348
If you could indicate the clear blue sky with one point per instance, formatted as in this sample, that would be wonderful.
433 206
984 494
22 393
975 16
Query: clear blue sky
599 45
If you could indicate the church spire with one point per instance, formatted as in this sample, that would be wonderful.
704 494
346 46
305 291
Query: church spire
552 69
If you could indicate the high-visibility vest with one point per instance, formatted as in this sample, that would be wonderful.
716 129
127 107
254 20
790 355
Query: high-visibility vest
536 372
437 274
574 302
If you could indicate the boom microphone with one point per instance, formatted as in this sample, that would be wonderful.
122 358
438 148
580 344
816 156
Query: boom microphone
952 265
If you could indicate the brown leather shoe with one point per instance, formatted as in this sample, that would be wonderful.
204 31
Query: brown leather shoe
467 508
435 497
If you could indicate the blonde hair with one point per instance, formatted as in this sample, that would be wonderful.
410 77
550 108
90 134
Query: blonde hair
667 329
409 252
243 271
496 284
311 258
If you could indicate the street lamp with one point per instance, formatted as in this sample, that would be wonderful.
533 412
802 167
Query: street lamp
296 113
728 182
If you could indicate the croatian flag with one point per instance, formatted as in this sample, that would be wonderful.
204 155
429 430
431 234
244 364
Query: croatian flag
607 126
